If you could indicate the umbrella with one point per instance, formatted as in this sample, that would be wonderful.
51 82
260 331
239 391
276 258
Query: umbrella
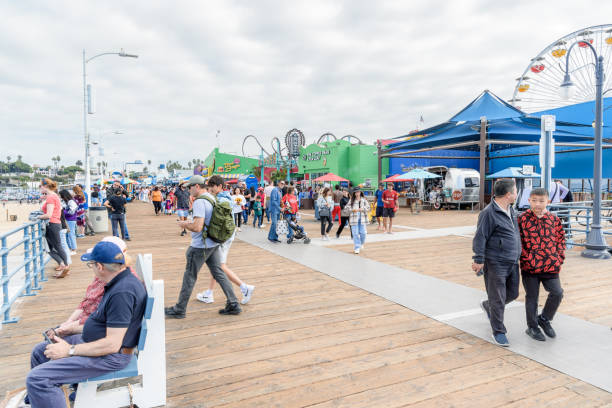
396 178
512 172
126 180
418 174
330 177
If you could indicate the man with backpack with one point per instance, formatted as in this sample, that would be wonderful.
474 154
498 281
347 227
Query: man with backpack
212 224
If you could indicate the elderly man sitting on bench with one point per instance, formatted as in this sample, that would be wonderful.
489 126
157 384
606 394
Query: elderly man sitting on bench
110 334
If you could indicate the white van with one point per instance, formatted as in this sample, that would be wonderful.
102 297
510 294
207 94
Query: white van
463 183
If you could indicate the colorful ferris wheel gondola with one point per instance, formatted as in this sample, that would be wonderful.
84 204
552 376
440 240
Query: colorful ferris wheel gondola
540 90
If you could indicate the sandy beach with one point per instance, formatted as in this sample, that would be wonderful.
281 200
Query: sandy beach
14 208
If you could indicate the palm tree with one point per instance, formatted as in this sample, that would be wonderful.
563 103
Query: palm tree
79 163
8 159
19 157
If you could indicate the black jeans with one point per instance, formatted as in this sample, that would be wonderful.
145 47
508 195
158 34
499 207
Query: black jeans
238 219
531 283
56 251
502 283
343 223
157 206
326 219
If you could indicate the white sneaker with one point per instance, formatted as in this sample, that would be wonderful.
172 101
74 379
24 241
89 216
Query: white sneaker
205 297
362 246
357 251
239 230
263 226
72 252
246 295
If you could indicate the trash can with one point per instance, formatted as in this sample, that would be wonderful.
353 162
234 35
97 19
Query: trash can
98 216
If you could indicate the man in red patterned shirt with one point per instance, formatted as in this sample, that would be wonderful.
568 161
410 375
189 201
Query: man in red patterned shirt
543 253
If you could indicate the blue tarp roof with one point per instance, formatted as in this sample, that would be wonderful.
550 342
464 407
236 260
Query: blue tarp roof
489 105
515 126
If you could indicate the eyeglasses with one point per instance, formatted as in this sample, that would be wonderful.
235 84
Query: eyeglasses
91 264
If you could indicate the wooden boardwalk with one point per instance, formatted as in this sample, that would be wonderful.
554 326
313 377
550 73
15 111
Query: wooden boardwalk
305 339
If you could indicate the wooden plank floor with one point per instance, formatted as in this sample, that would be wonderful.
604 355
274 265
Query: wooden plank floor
587 283
305 339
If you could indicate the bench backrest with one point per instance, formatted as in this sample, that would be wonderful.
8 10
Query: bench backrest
144 269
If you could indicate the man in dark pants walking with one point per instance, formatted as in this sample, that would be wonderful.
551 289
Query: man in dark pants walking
497 248
202 250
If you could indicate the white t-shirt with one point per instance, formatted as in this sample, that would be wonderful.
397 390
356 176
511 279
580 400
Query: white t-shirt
239 201
268 190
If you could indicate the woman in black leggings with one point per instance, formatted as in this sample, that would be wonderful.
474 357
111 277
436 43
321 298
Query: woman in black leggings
325 204
52 209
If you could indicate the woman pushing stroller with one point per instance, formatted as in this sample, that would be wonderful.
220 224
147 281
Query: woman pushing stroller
289 207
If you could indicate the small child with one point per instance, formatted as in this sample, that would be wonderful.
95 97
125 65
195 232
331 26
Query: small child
543 253
258 213
168 208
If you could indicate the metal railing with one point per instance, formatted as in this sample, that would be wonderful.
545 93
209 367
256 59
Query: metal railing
33 265
577 217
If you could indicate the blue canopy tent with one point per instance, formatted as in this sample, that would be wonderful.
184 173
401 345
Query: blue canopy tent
492 127
512 172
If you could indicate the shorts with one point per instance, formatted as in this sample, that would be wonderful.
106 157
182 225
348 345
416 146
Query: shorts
388 212
224 249
379 212
182 213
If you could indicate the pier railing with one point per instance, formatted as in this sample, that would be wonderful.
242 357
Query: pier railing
23 246
577 217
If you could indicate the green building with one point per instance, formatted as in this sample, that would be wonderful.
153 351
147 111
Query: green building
228 165
355 162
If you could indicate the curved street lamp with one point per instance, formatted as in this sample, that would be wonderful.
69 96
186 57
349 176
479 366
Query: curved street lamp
85 134
596 246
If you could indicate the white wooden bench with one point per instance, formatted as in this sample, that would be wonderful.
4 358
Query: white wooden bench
149 361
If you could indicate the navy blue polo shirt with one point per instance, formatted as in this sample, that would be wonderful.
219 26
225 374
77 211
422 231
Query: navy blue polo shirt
122 305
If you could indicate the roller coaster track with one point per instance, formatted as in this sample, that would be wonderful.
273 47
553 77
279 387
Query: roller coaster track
274 143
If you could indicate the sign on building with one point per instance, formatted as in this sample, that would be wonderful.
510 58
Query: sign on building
293 140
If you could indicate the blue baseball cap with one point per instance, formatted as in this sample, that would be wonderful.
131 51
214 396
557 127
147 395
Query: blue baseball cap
105 252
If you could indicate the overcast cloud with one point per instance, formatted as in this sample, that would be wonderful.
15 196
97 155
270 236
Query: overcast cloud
367 68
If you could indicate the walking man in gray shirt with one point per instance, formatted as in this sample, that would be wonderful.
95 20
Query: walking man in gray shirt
497 248
201 251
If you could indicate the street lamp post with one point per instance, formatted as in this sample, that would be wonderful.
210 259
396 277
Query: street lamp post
596 246
85 134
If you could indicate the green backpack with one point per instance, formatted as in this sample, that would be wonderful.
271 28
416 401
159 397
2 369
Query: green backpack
221 226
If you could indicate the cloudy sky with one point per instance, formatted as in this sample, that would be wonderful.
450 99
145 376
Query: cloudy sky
367 68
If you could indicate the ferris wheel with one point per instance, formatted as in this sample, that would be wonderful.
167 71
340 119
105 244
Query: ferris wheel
537 89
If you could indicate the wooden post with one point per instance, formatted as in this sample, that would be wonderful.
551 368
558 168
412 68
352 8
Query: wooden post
483 161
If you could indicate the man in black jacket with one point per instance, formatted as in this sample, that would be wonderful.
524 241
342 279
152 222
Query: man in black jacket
497 248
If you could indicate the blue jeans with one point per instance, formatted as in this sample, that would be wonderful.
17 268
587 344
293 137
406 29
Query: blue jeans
65 246
118 220
257 219
268 212
245 214
42 381
71 237
272 234
288 218
359 234
316 206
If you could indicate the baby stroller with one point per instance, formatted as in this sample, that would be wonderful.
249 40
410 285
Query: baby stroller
299 233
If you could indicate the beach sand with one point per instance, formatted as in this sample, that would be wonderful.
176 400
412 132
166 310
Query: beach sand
14 208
